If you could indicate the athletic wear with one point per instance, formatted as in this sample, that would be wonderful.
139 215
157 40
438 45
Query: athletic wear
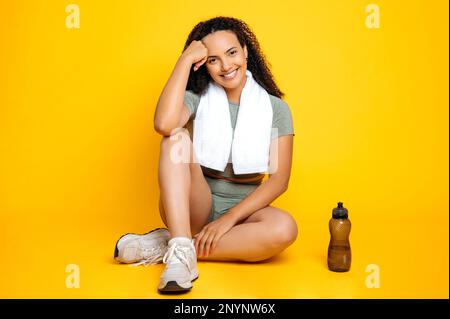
228 193
181 266
146 249
281 121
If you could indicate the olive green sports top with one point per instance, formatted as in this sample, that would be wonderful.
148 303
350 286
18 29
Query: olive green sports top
281 120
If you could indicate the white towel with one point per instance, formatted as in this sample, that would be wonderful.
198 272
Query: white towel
213 134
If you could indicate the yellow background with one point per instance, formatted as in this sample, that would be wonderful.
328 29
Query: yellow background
78 154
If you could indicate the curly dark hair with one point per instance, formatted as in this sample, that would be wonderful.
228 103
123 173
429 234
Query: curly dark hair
257 64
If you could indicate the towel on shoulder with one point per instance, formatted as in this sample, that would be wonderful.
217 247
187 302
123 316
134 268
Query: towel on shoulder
213 134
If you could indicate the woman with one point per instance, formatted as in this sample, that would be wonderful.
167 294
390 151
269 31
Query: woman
214 214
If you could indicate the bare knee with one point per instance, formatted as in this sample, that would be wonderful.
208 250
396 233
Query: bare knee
178 146
284 231
178 135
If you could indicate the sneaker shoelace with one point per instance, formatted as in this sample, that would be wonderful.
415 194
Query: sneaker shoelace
151 255
180 252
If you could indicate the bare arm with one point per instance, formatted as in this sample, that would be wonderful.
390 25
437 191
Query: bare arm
170 111
170 103
275 185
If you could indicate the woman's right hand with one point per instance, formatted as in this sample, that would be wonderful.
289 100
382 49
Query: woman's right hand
197 53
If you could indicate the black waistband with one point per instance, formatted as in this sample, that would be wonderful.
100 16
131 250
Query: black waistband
226 179
249 179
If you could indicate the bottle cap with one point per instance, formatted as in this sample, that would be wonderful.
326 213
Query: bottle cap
340 211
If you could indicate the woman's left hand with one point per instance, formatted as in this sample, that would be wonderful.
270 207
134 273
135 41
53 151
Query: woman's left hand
206 240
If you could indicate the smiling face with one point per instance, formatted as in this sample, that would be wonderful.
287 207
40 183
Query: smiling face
226 63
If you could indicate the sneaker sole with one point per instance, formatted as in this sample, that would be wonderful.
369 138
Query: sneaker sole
173 287
116 249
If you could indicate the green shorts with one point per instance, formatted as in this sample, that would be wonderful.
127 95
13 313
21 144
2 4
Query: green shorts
226 195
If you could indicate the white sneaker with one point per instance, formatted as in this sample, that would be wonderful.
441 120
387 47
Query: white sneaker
146 249
181 266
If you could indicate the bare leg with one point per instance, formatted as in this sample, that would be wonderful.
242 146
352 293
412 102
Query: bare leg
185 201
262 235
